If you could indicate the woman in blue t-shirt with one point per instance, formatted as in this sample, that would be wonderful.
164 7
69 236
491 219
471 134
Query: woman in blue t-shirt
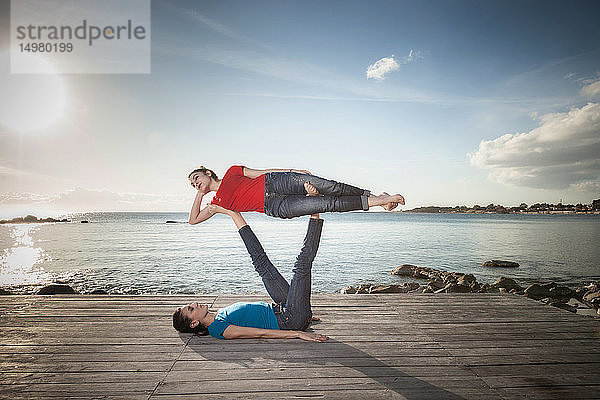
287 318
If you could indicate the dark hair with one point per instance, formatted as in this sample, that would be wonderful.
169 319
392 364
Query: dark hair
204 170
182 324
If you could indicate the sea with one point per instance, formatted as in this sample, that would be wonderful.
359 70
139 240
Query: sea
140 253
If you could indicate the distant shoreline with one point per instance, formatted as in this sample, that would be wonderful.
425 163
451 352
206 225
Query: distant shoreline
537 208
417 211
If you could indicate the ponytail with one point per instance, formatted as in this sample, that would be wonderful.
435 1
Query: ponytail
205 171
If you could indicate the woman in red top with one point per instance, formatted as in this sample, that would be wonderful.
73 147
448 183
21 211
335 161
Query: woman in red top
279 193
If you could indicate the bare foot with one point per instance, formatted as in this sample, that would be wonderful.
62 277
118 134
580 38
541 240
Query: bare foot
389 206
310 189
386 201
397 198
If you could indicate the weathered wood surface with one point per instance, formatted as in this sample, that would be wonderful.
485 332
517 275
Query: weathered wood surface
394 346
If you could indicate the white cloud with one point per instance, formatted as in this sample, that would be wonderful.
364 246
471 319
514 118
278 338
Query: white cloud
381 68
563 152
591 89
413 56
386 65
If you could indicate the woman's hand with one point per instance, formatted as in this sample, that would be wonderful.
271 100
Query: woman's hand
312 337
214 208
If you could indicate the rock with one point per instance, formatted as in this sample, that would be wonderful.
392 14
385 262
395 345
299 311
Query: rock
411 286
84 222
428 289
348 290
487 288
559 304
562 293
404 270
500 264
419 289
436 284
592 299
382 289
172 222
404 288
98 291
377 289
537 291
508 284
57 289
455 288
466 280
4 292
421 274
591 296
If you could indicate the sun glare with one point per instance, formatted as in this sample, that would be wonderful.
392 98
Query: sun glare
30 102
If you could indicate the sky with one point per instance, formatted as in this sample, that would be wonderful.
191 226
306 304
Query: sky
448 103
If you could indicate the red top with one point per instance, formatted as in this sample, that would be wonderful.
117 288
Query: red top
240 193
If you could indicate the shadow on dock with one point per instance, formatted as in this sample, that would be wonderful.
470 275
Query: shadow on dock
319 354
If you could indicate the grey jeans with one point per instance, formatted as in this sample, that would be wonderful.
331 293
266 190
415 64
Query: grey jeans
292 301
285 196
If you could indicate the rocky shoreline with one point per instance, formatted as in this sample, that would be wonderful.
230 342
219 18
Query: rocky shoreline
585 299
31 219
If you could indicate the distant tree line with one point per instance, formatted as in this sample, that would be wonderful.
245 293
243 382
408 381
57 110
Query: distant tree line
522 208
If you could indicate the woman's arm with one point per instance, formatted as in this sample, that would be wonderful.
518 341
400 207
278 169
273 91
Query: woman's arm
203 215
197 215
243 332
255 173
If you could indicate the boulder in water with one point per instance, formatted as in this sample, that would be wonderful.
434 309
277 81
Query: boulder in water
500 264
404 270
57 289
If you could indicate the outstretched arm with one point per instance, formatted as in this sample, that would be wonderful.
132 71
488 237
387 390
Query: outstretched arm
197 215
255 173
244 332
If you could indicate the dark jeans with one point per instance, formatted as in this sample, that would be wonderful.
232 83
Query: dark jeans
285 196
292 307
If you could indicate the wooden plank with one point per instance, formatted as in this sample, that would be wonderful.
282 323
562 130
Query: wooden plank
56 378
434 387
45 366
552 392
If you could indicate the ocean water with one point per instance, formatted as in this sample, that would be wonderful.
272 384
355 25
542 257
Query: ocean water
134 253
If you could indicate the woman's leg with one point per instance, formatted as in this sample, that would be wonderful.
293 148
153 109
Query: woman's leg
293 183
297 313
290 206
276 285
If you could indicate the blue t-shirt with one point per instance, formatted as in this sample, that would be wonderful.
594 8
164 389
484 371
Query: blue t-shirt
255 315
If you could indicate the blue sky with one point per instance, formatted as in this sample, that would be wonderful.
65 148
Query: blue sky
285 84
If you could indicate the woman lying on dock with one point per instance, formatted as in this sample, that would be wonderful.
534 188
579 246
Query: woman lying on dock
287 318
279 193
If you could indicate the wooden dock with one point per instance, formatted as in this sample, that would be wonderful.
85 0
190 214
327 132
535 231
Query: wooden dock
394 346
